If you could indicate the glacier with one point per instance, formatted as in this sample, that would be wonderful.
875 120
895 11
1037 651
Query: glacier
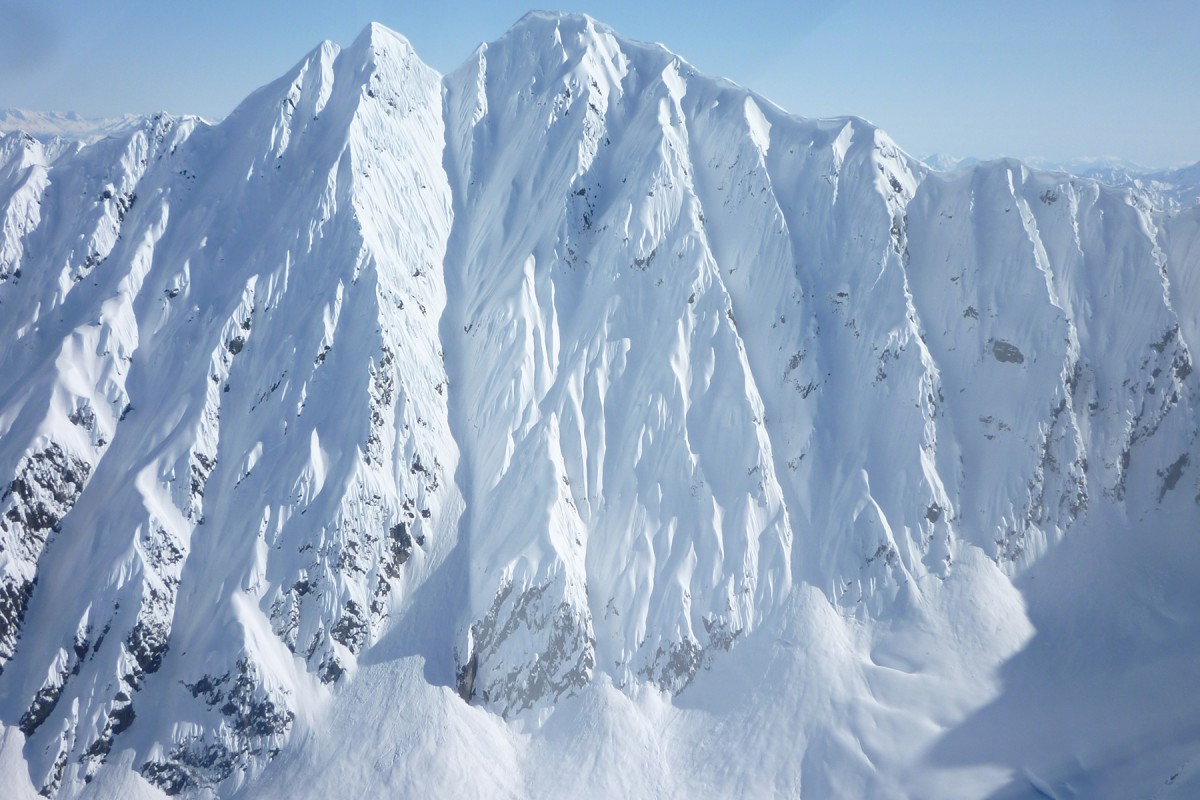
576 424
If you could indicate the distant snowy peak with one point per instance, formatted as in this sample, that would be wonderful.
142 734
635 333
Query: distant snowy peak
1168 189
944 162
47 125
1088 166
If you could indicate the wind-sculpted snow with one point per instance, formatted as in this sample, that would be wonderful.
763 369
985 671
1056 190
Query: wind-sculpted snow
604 396
623 502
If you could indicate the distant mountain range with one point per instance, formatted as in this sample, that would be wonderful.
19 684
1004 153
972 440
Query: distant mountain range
1170 188
68 125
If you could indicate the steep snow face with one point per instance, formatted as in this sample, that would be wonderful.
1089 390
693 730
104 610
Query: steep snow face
625 513
225 418
598 393
722 346
1102 402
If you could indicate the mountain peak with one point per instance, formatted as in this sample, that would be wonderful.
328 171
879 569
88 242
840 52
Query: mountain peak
381 37
543 17
537 24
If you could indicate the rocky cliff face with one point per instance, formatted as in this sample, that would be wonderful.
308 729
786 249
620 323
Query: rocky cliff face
571 369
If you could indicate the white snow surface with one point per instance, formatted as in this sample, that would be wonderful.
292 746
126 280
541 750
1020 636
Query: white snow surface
577 425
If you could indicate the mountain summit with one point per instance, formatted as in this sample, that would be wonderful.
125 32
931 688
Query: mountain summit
579 425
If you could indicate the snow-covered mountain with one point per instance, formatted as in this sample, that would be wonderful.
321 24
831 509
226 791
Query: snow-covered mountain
47 125
1168 189
579 425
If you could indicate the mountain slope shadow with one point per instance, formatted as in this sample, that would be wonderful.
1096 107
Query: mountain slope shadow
1104 700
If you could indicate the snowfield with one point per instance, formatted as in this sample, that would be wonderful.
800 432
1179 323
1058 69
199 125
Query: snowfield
578 425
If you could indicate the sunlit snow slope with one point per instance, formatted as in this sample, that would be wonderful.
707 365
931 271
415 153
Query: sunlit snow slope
576 424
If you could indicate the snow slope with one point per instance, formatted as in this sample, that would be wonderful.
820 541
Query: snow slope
576 424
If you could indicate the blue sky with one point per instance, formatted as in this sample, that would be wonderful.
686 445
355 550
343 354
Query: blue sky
1052 78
